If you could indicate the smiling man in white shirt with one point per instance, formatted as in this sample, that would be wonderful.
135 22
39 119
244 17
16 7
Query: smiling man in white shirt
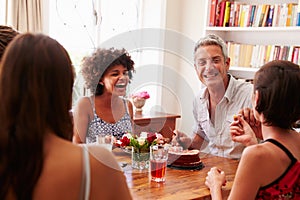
214 107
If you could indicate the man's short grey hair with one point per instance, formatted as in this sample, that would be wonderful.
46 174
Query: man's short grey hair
212 39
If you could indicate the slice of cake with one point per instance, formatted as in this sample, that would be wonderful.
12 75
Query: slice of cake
185 158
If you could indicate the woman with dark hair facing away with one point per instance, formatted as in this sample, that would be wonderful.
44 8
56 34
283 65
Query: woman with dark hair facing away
107 73
37 160
7 34
269 170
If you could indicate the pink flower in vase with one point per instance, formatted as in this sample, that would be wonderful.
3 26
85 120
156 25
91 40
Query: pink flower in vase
141 95
139 99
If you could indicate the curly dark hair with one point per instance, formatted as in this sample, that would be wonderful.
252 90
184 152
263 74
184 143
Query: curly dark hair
7 34
95 66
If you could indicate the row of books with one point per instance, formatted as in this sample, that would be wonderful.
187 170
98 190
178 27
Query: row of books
228 13
248 55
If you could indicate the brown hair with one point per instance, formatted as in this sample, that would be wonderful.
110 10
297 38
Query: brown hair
278 85
95 66
36 80
6 35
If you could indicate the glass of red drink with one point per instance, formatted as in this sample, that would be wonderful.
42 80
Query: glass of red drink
158 162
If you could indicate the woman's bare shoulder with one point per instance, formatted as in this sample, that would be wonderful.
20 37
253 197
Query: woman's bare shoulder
257 152
62 170
258 155
83 105
83 101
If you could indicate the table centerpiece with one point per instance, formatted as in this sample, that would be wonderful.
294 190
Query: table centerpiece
140 147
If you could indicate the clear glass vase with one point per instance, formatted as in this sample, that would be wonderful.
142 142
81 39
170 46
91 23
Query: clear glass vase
139 160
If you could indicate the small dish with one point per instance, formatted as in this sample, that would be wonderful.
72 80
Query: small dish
127 149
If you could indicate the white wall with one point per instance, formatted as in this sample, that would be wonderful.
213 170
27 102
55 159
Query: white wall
166 61
186 17
148 74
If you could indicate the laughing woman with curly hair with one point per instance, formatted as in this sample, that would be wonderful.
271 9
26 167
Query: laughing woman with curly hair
107 72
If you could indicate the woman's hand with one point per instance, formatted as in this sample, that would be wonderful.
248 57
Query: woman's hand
255 124
242 132
215 179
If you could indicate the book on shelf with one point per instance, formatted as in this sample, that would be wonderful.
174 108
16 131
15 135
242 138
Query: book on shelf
217 18
252 15
295 55
261 55
221 13
272 53
242 54
213 10
243 10
268 53
298 60
237 48
289 14
294 15
254 56
231 16
249 55
276 15
290 55
247 15
233 53
283 52
298 14
276 52
265 16
258 15
270 16
227 13
236 13
283 15
230 49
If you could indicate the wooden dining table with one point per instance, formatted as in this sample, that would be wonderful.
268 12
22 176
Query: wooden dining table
180 183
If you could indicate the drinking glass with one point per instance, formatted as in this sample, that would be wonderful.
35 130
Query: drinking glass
158 162
106 141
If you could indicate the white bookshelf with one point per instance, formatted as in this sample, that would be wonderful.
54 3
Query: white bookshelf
255 35
243 72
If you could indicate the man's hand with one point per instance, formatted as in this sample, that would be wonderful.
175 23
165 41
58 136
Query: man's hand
181 139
